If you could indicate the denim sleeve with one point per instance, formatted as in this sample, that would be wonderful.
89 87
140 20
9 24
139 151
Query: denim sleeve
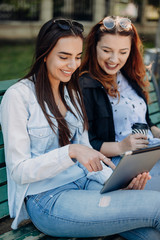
22 167
84 139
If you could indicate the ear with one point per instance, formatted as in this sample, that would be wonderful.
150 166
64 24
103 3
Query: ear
45 59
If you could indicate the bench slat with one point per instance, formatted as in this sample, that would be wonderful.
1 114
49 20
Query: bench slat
35 235
4 209
3 195
153 97
151 87
31 235
154 107
2 157
27 232
3 175
1 98
158 125
155 118
1 137
4 85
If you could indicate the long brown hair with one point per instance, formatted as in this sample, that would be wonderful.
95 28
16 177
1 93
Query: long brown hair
47 38
134 69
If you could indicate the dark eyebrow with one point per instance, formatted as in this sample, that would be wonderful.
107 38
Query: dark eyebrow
111 48
69 54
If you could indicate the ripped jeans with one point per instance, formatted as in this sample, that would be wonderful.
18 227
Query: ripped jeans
79 210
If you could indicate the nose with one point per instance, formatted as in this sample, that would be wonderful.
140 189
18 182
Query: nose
114 58
72 64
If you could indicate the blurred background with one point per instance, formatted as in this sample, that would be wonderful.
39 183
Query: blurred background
20 21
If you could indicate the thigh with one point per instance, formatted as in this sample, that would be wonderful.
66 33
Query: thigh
93 185
116 160
142 234
153 184
85 213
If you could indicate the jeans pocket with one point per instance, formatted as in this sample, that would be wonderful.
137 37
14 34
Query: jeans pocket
35 198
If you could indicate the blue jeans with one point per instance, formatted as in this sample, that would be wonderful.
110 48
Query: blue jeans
79 210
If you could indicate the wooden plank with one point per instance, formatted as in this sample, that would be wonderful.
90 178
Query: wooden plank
17 233
154 107
4 211
2 157
35 235
6 84
156 87
3 175
3 193
1 98
153 97
27 232
1 137
151 87
155 118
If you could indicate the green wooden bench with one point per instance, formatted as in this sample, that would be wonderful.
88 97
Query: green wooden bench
154 106
3 178
28 231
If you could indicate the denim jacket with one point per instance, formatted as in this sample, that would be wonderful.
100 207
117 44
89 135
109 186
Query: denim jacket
34 161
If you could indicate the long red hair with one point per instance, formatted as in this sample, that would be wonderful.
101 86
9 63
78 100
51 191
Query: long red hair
134 69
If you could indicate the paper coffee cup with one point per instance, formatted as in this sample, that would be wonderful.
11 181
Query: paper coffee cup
140 128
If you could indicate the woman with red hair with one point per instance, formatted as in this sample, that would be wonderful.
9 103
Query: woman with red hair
114 86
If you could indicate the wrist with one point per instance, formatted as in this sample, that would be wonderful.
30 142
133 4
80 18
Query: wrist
72 150
121 150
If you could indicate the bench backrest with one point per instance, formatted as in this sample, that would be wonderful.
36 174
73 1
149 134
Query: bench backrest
154 110
3 178
154 105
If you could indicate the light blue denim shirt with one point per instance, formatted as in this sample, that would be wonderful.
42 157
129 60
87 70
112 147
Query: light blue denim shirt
35 162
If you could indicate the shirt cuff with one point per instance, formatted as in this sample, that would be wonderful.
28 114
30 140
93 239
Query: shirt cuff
64 157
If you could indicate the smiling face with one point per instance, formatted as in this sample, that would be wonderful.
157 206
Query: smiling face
64 59
112 52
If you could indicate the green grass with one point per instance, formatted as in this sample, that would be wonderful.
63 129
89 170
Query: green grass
15 59
149 44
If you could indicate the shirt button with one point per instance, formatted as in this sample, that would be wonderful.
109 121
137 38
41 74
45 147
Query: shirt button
40 134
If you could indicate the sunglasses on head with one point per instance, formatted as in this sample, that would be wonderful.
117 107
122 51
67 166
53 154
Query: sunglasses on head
110 23
68 24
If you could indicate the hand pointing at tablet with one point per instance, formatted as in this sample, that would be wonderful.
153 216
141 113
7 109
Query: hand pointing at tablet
89 158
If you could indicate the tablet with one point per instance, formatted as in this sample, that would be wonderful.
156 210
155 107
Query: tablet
132 164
